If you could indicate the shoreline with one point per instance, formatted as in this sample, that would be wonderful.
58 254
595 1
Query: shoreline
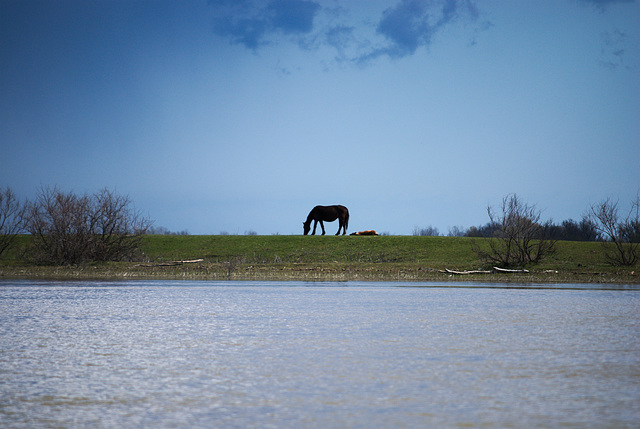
305 272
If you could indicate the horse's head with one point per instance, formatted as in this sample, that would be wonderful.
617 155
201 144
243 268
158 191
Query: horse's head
306 226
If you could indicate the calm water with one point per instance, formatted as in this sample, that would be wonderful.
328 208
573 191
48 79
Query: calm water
213 354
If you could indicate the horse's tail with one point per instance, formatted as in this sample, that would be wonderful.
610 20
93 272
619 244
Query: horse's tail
346 219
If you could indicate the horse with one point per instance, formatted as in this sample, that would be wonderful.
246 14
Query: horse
328 214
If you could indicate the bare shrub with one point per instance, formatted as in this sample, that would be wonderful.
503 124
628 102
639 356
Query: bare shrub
11 218
161 230
69 228
118 227
620 236
517 237
430 231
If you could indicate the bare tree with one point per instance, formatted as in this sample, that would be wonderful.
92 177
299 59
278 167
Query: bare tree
457 231
69 229
11 218
620 236
583 231
517 237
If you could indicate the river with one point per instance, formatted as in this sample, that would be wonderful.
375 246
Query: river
317 355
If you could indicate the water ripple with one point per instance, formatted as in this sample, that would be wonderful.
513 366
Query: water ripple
199 354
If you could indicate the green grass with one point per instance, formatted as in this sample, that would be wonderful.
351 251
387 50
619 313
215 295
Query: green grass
440 251
325 258
311 249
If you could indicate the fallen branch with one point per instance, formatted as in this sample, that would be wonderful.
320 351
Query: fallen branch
460 273
495 270
170 263
506 270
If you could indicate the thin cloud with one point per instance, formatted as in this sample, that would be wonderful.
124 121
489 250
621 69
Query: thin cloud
614 46
411 24
248 31
250 23
399 32
405 26
395 32
340 36
603 4
292 16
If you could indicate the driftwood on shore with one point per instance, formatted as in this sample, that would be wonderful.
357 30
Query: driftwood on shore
494 270
505 270
448 271
170 263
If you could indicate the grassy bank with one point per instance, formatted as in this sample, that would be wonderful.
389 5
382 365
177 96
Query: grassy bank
324 258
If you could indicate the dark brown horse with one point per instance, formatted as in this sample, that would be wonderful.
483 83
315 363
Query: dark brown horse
328 214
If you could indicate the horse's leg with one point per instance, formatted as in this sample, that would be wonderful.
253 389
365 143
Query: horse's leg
315 224
340 226
322 225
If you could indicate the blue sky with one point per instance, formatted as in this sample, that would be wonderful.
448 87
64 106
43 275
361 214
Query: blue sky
234 116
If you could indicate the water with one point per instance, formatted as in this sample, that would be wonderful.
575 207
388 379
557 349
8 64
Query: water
230 354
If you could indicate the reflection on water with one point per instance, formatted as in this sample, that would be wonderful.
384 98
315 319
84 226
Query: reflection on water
215 354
